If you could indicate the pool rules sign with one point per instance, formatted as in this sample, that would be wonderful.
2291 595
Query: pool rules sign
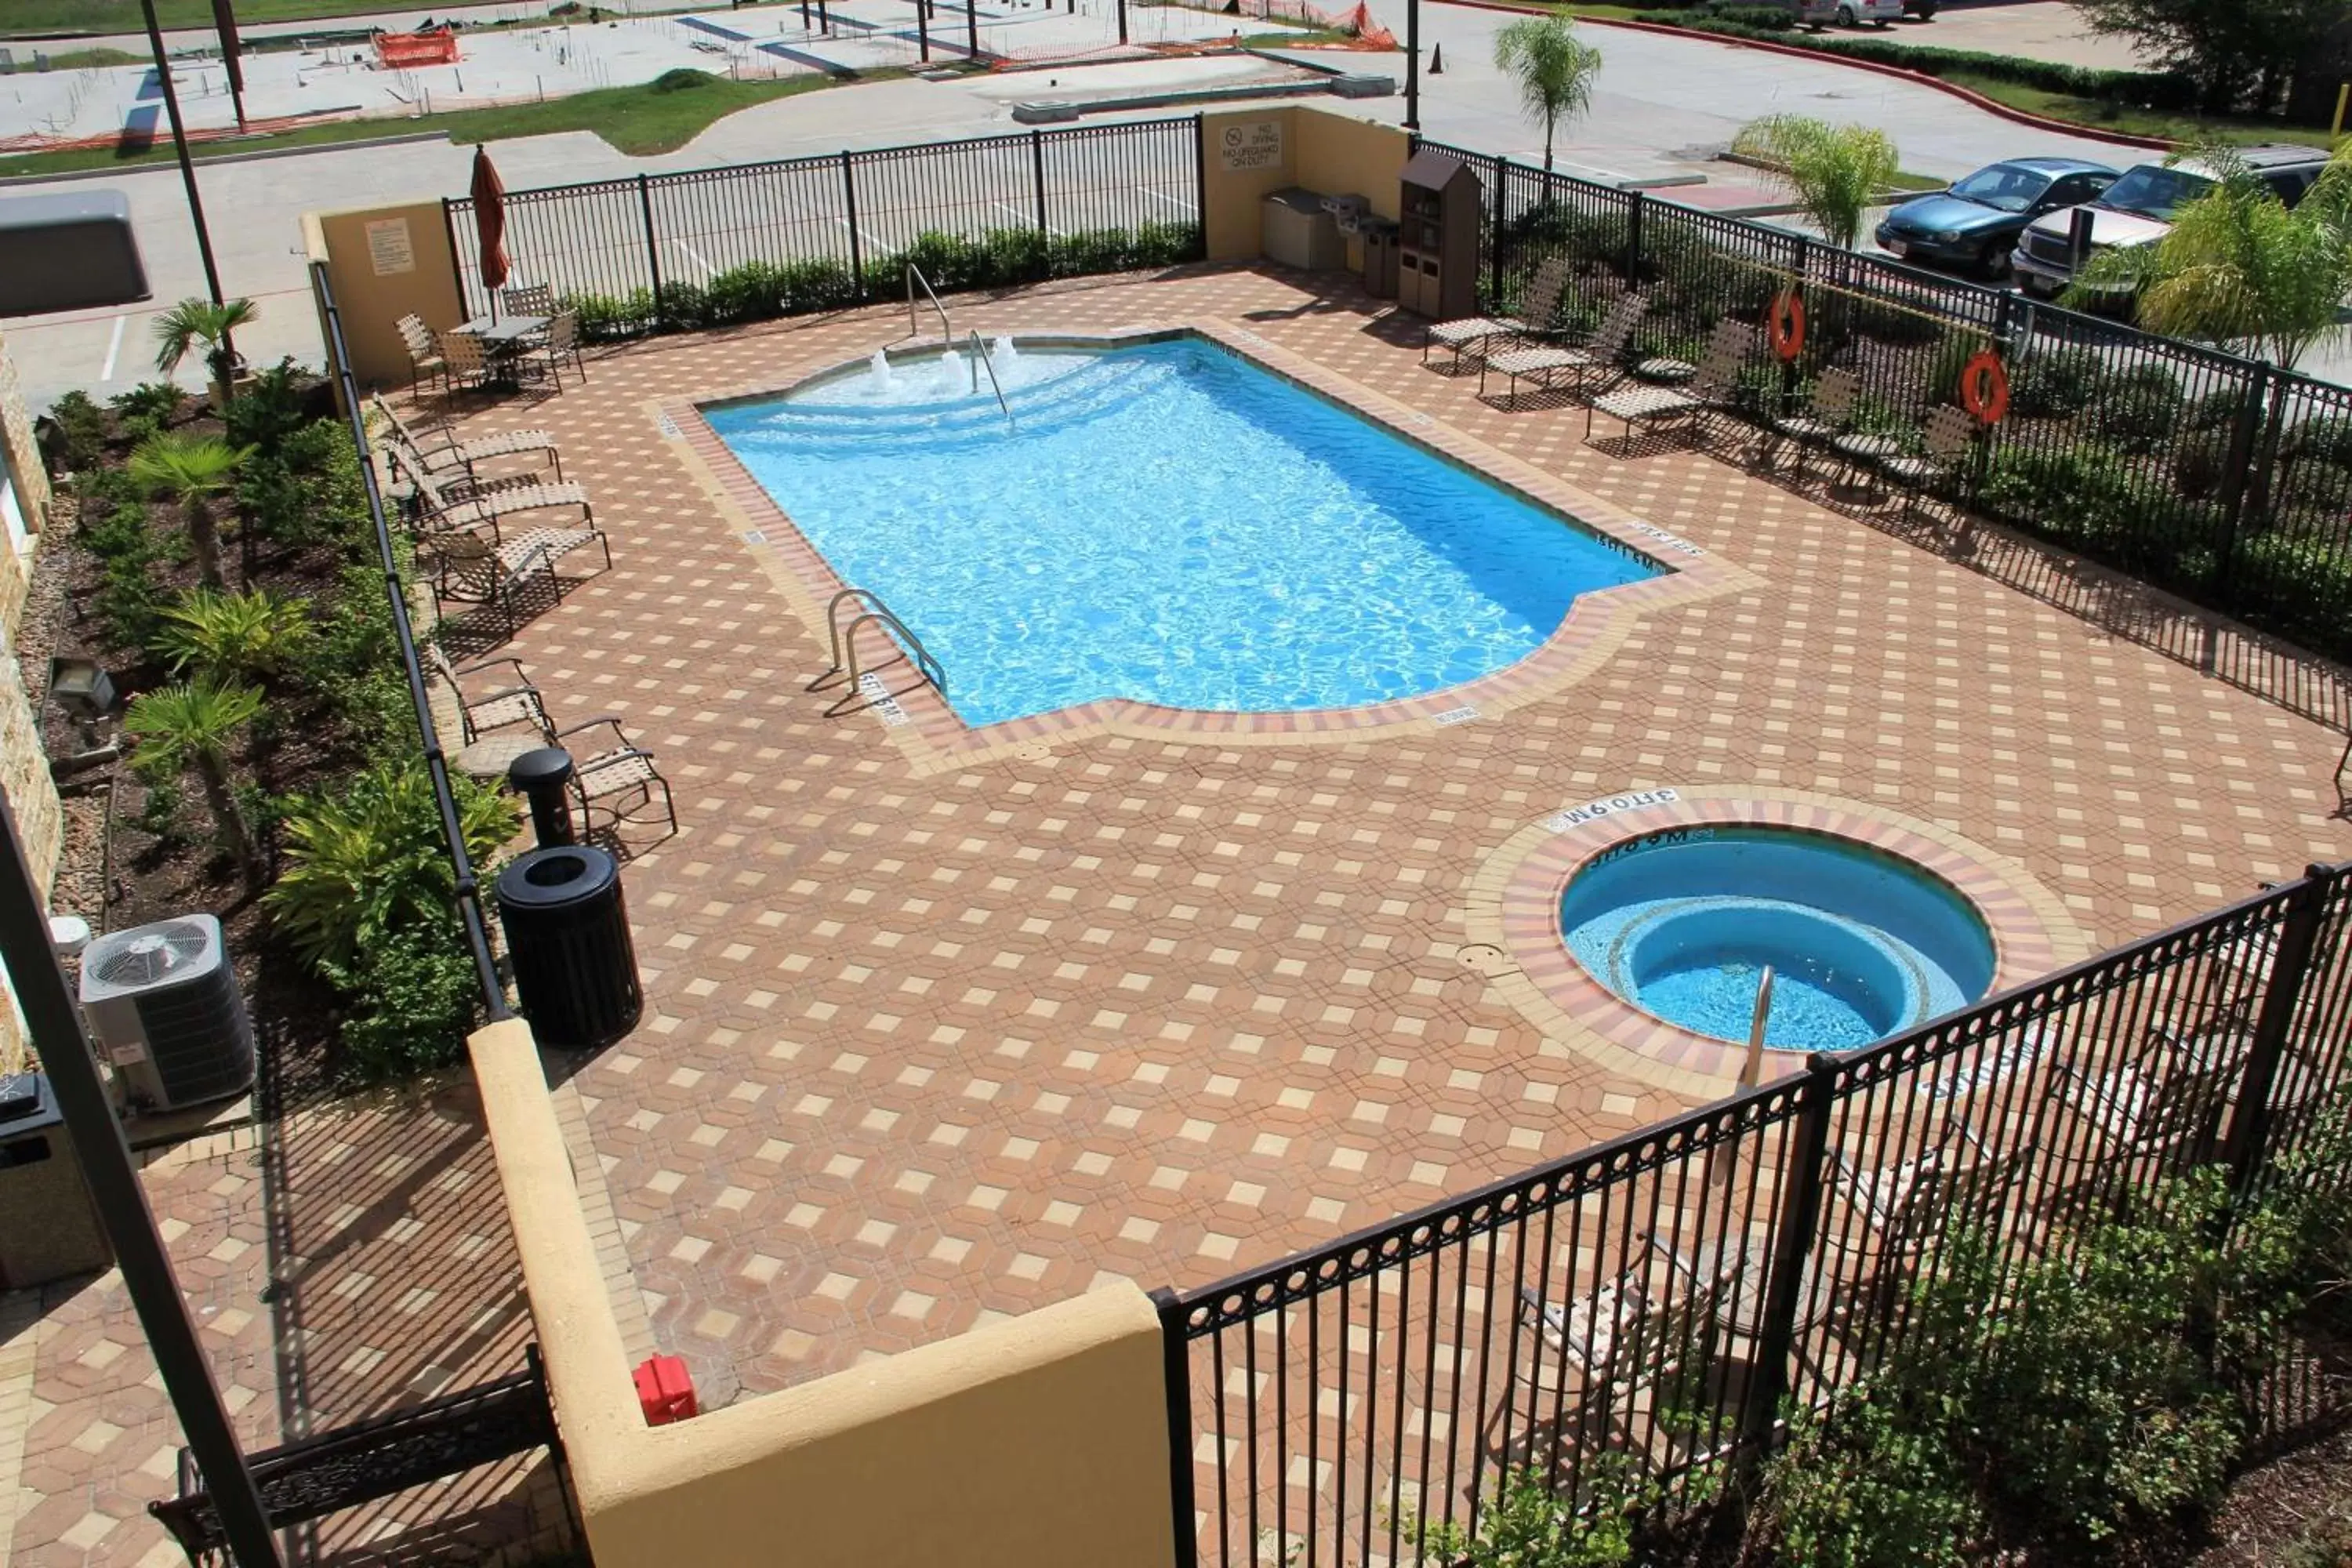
1256 145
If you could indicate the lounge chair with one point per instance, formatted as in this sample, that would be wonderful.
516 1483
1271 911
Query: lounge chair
1601 355
623 772
2167 1104
1824 418
1904 1207
444 506
1945 441
1715 385
1536 308
467 569
437 450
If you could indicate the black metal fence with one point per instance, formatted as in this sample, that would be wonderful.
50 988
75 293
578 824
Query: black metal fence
717 246
2214 477
1659 1296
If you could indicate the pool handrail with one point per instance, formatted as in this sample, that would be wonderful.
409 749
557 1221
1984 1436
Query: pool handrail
980 352
843 640
915 276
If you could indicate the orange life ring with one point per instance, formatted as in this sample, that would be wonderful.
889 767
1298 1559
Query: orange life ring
1787 322
1984 387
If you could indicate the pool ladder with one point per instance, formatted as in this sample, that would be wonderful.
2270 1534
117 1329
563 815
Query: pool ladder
980 362
867 608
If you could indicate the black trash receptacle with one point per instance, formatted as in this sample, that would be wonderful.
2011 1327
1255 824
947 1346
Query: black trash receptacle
48 1227
567 927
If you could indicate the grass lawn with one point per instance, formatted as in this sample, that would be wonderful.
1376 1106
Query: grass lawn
123 16
638 121
2097 115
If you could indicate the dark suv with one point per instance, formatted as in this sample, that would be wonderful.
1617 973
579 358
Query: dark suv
2137 209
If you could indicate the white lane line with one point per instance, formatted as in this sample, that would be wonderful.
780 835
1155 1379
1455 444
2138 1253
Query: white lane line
696 258
113 348
1026 217
1158 195
865 235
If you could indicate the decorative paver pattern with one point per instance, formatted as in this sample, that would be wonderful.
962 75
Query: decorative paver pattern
931 1040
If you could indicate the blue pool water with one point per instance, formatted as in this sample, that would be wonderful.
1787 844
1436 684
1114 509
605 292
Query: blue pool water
1165 522
1861 944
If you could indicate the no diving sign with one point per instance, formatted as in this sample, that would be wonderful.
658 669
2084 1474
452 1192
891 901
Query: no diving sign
1255 145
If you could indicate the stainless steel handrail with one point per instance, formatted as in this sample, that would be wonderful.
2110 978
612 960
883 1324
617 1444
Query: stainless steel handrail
844 644
915 276
980 352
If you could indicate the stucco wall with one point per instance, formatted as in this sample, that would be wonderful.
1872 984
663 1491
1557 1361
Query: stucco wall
1332 154
1037 1443
385 263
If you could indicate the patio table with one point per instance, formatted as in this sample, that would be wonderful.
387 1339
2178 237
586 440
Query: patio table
504 338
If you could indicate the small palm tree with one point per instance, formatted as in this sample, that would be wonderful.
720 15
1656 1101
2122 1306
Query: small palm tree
1552 68
2239 268
190 469
1832 170
233 637
191 727
192 322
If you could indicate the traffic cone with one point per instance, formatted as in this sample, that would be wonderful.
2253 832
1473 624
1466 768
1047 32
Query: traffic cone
1437 59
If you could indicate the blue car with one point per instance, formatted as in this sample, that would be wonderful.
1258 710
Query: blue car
1976 223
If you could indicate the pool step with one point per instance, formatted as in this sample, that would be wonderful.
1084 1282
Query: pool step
1040 408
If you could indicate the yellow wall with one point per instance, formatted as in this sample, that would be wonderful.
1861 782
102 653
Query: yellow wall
377 279
1329 154
1036 1443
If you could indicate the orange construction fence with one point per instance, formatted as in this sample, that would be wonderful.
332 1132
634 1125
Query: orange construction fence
403 51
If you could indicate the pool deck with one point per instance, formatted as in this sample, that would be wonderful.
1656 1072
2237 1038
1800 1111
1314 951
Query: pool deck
940 1031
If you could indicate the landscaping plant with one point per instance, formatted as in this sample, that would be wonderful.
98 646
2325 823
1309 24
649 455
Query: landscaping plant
194 727
190 470
1552 68
1831 170
233 637
181 330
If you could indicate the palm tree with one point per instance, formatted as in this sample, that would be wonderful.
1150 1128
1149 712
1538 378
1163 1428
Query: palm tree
1552 67
188 469
192 322
1832 170
2239 268
191 727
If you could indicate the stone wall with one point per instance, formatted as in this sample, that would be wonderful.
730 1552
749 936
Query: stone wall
23 766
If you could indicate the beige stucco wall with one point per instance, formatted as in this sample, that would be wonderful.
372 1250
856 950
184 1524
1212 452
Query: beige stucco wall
385 263
1330 153
1036 1443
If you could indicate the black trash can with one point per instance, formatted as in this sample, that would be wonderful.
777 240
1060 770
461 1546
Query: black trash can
567 928
48 1227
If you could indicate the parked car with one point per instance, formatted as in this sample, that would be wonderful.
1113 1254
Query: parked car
1976 223
1854 13
1923 9
2137 209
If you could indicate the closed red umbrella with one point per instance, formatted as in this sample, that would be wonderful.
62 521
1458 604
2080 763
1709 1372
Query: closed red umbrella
490 224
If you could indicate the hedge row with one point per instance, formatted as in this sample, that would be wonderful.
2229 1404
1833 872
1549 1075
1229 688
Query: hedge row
2138 89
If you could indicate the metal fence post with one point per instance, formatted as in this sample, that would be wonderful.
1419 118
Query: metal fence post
1176 1353
849 197
1634 239
2281 994
457 268
1495 244
2242 438
1038 163
653 248
1793 1232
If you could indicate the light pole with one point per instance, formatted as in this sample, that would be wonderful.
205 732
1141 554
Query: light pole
1411 65
56 1024
180 141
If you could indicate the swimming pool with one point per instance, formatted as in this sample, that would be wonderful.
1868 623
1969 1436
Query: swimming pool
1861 944
1166 522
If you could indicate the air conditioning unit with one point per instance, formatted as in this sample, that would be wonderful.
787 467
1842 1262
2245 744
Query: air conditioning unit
164 1007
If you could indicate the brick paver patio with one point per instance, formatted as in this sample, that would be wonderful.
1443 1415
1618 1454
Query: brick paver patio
933 1037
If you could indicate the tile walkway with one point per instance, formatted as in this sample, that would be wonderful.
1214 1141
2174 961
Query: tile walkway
934 1037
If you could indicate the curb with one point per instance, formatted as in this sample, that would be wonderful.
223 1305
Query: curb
255 156
1917 78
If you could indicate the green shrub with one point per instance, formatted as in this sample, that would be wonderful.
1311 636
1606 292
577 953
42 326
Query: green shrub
1526 1524
414 999
683 79
684 307
267 412
233 637
805 286
1587 239
2216 410
1869 1484
1952 357
2055 384
146 409
2138 408
369 861
751 292
2200 465
80 429
2323 440
605 318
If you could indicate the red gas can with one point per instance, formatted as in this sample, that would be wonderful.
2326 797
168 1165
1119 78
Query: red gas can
665 1392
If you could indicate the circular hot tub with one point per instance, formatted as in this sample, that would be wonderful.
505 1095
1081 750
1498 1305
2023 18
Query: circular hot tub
1861 944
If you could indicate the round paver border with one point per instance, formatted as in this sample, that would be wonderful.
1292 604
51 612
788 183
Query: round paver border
1514 909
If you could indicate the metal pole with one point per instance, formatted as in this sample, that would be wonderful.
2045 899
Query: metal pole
972 26
56 1024
923 28
1412 65
1805 1150
180 141
1176 1362
2282 995
653 248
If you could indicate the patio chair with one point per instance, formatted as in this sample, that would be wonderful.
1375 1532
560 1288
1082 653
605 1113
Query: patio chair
1824 418
623 773
1715 385
467 569
447 507
436 451
466 363
503 707
1537 306
1633 1333
425 356
1599 355
1945 441
547 354
2165 1105
1905 1205
528 300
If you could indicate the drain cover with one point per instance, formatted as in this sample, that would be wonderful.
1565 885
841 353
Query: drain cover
1481 958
